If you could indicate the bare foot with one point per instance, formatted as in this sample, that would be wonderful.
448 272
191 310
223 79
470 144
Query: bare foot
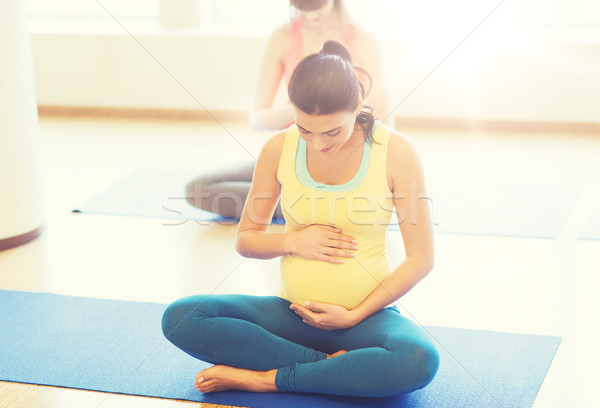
222 377
337 353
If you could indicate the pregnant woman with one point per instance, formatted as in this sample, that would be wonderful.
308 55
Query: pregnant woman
333 328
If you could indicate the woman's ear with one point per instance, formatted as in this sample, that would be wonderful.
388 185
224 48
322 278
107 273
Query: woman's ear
359 106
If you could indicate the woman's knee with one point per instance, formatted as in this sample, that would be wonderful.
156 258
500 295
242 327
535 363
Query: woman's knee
427 362
416 366
193 192
179 314
223 197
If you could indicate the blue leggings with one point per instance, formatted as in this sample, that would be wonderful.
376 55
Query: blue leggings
387 353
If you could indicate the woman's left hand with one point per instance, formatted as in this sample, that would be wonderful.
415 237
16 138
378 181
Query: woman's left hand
325 316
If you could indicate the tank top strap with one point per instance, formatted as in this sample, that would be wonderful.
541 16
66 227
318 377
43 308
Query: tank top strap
377 173
350 39
287 161
295 52
294 55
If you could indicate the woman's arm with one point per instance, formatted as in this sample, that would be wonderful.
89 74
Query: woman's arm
253 240
320 242
273 118
263 115
414 216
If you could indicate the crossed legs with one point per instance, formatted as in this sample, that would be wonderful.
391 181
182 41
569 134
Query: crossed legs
260 344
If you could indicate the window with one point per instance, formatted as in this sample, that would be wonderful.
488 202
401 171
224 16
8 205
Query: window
93 8
243 11
383 17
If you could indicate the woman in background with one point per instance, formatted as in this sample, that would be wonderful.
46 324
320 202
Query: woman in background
332 329
224 192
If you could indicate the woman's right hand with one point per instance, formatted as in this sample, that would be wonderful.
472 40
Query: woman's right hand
323 243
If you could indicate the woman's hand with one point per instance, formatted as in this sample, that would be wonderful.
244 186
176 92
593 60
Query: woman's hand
325 316
323 243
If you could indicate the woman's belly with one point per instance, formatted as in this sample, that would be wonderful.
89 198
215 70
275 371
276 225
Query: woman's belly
346 284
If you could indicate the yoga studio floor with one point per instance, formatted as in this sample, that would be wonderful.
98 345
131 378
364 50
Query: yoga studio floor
500 283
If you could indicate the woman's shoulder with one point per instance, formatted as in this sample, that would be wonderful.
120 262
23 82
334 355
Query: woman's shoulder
401 143
277 139
402 150
403 162
273 148
282 33
279 40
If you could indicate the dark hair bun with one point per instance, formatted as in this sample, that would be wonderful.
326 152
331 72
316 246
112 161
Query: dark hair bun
332 47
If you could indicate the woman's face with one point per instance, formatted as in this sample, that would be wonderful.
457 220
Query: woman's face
325 134
317 16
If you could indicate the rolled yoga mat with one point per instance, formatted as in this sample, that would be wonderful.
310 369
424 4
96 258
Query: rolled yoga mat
117 347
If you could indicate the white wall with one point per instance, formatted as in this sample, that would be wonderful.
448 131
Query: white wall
116 71
486 78
538 82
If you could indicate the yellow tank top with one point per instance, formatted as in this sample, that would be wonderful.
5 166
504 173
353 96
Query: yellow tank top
361 208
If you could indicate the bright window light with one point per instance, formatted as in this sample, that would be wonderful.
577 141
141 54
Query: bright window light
93 8
401 18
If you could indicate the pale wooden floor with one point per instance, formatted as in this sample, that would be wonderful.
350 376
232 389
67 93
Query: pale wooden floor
495 283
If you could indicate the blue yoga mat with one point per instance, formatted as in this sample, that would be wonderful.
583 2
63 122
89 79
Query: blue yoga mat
155 193
530 211
117 347
592 229
537 211
147 192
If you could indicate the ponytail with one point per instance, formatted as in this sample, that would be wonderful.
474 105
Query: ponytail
328 82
